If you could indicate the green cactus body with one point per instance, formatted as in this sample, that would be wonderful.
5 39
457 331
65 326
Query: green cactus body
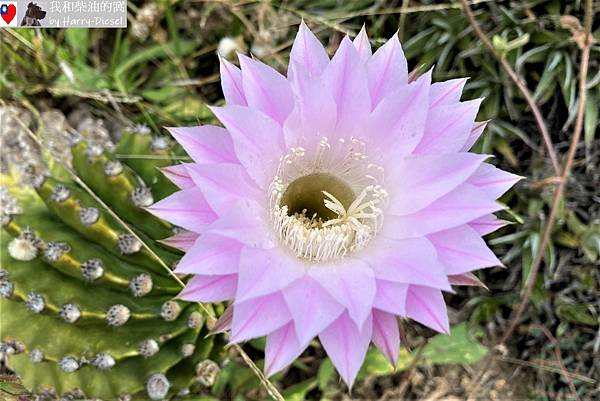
134 147
85 307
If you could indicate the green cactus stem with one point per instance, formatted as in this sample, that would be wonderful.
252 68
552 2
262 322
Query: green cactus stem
86 309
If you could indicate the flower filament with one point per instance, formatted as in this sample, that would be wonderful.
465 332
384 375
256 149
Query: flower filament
315 209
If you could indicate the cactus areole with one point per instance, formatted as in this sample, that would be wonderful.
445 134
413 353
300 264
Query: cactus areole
87 310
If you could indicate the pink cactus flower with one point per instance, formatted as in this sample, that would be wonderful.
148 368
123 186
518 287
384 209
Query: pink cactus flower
333 201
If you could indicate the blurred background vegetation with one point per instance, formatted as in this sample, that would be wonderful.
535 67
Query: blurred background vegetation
163 71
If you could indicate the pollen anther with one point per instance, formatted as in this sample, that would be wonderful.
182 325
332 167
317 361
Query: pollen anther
315 209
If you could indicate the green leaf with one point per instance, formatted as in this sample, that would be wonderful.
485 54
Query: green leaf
199 398
298 391
459 347
155 52
504 148
518 42
325 374
86 79
533 242
236 377
577 313
591 243
485 309
164 94
259 343
591 117
499 43
535 55
78 40
545 87
188 108
375 364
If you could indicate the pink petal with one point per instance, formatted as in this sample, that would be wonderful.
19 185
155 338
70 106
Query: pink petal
475 133
257 140
386 334
346 79
182 241
186 208
245 223
461 250
427 306
409 261
266 89
282 349
361 42
258 317
210 288
211 254
351 283
223 324
391 297
387 70
468 279
448 127
418 180
347 345
312 308
314 115
487 224
178 175
206 143
308 53
446 92
397 124
263 272
492 180
462 205
223 185
231 82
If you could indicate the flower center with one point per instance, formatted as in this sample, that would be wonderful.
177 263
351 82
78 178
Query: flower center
327 203
306 195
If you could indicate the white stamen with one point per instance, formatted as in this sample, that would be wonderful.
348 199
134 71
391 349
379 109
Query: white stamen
310 236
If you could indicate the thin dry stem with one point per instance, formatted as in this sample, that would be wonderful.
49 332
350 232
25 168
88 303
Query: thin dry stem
560 188
562 174
408 10
411 372
402 19
543 365
559 359
520 84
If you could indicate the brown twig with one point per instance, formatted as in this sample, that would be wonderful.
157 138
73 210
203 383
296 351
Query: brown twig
559 358
543 365
474 387
411 372
561 173
402 21
520 84
566 170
